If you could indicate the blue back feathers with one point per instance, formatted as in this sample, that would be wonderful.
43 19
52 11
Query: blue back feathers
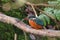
39 22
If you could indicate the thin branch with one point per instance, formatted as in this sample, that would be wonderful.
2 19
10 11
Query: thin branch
19 24
24 32
34 10
15 36
41 4
26 38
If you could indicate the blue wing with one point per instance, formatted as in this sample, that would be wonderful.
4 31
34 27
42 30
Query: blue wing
39 22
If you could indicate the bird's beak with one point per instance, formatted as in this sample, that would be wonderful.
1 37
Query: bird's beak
26 18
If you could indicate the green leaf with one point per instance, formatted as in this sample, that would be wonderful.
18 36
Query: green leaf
57 13
50 12
48 9
53 2
47 19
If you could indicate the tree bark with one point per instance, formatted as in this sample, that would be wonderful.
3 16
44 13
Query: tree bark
21 25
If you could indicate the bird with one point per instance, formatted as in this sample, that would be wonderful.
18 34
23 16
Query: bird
34 22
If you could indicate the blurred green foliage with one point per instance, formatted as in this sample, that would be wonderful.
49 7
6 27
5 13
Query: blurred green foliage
7 31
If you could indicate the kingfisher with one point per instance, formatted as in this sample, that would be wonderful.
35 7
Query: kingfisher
34 22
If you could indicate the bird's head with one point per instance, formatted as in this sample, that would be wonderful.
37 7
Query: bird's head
33 18
30 17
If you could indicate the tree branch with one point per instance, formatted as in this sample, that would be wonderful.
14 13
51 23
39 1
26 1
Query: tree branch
34 10
21 25
41 4
15 36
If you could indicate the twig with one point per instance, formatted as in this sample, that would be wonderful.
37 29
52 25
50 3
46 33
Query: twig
25 35
24 32
15 36
41 4
34 10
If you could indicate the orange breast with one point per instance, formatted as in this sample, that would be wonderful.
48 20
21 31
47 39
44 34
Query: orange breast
34 25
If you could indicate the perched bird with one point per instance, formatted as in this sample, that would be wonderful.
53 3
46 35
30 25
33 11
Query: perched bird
34 22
